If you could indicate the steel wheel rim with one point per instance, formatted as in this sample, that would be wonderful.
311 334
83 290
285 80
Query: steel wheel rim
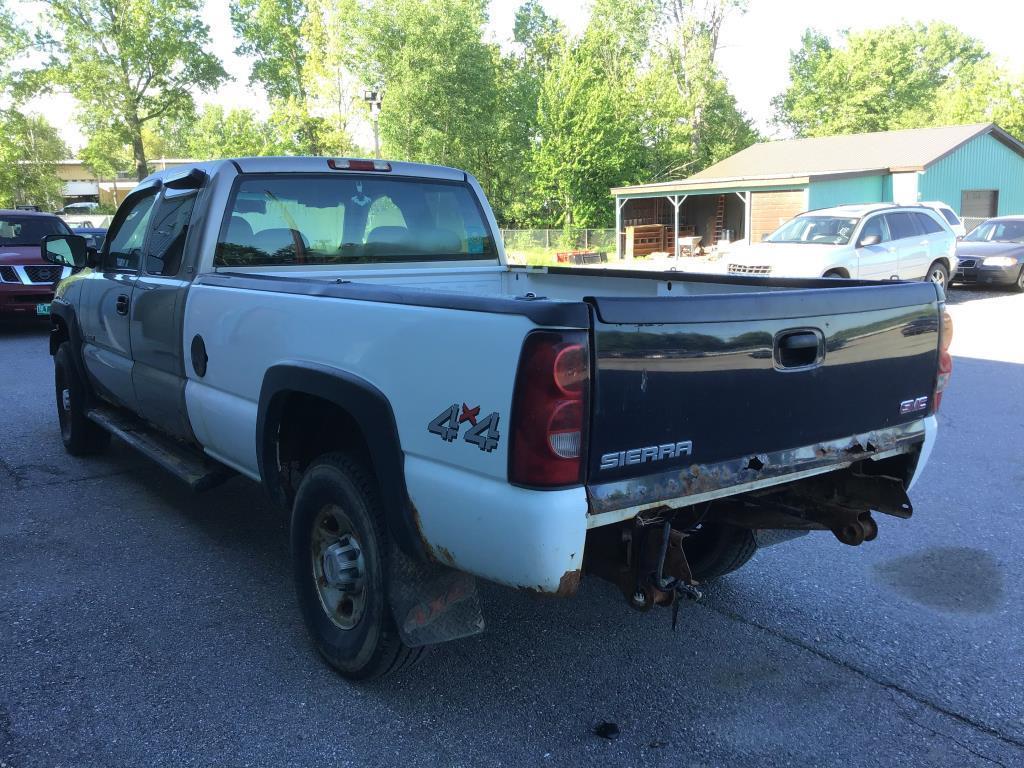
339 568
939 277
63 406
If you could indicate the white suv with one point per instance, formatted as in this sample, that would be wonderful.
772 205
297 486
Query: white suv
869 242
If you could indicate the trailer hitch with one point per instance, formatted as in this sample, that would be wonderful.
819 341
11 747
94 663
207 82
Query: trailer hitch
671 579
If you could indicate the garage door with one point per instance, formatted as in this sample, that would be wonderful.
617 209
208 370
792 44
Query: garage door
770 209
979 203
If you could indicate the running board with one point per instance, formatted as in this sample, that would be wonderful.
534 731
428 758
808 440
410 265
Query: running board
195 470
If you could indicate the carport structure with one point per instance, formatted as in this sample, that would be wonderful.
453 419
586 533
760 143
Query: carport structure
659 217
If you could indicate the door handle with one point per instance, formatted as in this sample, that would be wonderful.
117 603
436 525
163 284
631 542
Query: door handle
798 349
122 304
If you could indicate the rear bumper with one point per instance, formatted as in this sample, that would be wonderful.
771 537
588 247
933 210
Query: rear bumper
623 499
534 540
513 536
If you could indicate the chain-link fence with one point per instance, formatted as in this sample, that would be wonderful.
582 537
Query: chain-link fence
538 240
970 222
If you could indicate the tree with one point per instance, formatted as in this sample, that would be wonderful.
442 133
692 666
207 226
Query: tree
694 118
106 155
879 79
29 146
591 127
29 150
130 62
443 102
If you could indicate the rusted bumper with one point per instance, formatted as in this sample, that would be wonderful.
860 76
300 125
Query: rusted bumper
698 483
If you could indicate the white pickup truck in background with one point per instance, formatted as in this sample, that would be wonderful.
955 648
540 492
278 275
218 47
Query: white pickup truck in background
349 334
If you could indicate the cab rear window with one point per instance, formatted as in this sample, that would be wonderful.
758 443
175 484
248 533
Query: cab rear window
288 219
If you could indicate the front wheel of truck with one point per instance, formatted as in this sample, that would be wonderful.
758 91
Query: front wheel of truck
81 437
339 556
717 549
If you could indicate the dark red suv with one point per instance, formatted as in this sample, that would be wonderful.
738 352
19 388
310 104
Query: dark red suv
26 281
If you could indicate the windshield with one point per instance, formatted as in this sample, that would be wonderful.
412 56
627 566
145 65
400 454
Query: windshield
29 230
998 231
830 230
288 219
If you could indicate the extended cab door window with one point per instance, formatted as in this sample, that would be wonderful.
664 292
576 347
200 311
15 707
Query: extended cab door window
170 228
124 245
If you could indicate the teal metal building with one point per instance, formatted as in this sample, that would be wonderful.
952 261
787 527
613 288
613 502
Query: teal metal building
978 170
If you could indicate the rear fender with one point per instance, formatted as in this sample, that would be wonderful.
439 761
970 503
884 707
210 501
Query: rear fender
370 409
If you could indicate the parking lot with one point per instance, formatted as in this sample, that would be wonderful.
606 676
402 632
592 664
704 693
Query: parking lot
141 625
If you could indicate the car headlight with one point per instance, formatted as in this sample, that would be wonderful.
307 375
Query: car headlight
999 261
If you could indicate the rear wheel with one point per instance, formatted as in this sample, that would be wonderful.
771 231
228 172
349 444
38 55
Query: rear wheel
80 436
938 274
717 549
339 556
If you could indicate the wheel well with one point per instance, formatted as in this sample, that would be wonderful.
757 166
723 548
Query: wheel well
308 427
837 271
58 334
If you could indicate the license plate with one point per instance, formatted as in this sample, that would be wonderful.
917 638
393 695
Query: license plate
42 309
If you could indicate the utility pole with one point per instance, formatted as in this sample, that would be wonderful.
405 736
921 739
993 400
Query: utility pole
374 98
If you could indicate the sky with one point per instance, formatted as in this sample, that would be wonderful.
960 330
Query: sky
754 52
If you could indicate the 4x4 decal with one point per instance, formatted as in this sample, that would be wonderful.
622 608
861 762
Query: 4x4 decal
483 433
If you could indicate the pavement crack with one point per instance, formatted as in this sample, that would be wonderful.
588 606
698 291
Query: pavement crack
895 687
966 747
16 474
21 485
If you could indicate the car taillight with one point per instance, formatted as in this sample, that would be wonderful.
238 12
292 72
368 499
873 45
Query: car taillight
945 358
549 410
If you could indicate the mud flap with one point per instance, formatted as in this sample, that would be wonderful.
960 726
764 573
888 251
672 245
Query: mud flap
431 603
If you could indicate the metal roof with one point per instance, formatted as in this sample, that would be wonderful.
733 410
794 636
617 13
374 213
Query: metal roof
856 154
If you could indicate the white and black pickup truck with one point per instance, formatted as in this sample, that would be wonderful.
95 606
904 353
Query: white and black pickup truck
349 334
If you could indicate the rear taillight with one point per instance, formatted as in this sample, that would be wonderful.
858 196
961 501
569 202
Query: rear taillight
549 410
945 358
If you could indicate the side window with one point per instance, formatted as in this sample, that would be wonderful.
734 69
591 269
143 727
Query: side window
170 228
875 226
927 224
127 240
902 225
949 216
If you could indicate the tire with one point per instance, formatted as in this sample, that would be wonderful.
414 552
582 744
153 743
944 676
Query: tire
345 608
938 274
1019 285
81 437
717 549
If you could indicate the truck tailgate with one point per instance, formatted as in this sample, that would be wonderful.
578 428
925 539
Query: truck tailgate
684 384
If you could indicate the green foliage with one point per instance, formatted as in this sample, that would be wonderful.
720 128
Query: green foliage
29 150
129 62
439 77
638 98
304 64
901 76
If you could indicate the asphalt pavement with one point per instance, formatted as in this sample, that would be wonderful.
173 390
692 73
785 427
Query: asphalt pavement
144 626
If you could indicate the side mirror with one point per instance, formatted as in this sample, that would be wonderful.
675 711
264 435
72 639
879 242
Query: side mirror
64 251
869 240
765 235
